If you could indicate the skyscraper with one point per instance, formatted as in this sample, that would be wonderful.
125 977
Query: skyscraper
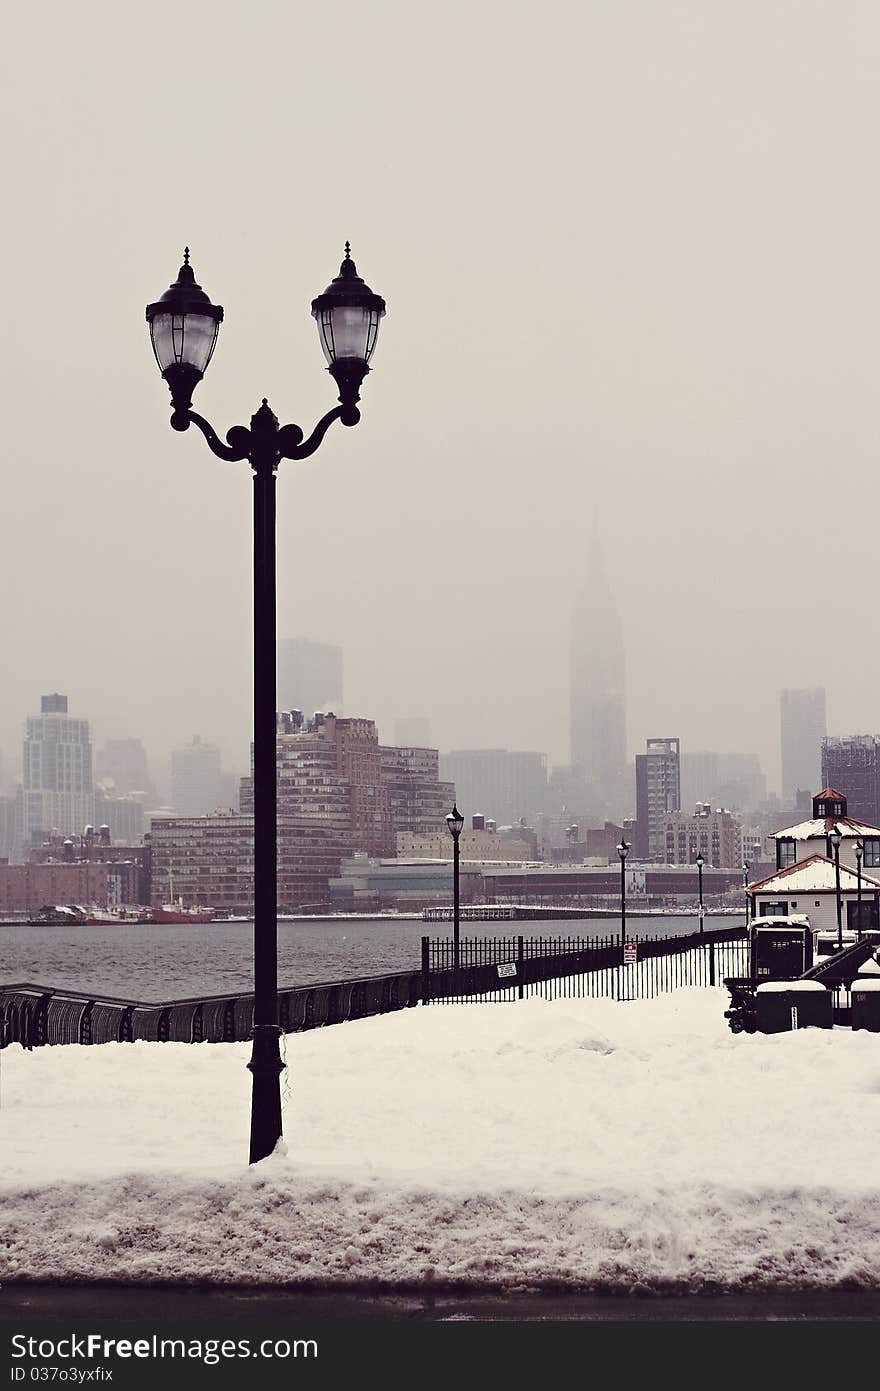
802 729
58 784
852 765
196 778
658 791
598 690
309 676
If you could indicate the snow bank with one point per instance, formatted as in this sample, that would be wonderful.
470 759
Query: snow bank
576 1142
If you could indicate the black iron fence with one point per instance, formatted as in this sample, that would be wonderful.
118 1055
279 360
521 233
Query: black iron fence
509 968
34 1015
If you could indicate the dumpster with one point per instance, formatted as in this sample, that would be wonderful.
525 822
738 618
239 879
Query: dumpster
781 948
793 1004
865 1004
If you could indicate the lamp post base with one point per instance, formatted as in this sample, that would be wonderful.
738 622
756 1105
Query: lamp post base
266 1067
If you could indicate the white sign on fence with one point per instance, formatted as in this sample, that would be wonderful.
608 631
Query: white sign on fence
507 968
630 952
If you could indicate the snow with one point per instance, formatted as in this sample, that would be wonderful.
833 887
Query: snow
582 1143
865 986
817 874
788 987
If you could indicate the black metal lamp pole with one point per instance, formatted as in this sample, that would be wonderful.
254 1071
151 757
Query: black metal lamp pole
623 850
836 838
746 888
700 863
183 328
860 850
455 821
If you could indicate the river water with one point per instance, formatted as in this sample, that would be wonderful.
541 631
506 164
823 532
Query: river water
166 962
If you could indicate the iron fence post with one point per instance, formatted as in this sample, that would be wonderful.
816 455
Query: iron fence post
426 971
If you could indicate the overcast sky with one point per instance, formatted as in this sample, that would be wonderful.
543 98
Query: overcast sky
630 255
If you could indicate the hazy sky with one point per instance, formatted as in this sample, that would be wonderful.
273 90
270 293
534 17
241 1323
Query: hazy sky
630 254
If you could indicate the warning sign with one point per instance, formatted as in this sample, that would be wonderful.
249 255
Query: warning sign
630 952
507 968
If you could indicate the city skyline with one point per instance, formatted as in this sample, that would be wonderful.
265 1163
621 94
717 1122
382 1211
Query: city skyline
702 353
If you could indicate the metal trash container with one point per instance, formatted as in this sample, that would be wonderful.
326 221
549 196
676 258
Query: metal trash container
865 1004
793 1004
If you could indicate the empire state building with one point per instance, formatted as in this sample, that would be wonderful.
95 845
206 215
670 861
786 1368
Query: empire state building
598 690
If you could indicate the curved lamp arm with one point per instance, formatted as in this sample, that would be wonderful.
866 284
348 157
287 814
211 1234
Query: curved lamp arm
238 438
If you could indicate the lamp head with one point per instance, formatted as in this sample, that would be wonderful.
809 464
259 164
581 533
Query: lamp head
623 850
455 821
347 315
183 331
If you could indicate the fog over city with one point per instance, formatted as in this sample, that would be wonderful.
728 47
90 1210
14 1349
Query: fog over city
629 253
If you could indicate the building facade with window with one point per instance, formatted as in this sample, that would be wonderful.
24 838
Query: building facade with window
716 835
658 792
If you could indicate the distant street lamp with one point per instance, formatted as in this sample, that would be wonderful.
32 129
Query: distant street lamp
455 821
746 888
183 329
860 850
700 863
835 838
623 850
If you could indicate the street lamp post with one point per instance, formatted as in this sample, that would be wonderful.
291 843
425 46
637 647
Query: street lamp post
860 850
835 838
700 863
184 325
746 888
623 850
455 821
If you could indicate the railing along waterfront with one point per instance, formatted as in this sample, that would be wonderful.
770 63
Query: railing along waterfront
492 968
34 1015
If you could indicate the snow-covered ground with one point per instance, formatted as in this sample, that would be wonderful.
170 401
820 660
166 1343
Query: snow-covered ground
575 1142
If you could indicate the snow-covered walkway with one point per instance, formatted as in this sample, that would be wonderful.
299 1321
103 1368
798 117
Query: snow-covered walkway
579 1142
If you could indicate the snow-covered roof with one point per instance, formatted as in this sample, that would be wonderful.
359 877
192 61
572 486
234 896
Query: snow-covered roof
814 875
820 827
784 987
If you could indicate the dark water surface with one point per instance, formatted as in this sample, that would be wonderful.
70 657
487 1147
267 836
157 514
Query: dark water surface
143 961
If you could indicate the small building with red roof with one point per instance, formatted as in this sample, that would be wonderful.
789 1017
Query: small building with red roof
809 858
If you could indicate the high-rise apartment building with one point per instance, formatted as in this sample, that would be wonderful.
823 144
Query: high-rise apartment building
658 792
418 800
309 676
330 773
852 765
196 778
802 729
716 835
58 784
502 783
598 690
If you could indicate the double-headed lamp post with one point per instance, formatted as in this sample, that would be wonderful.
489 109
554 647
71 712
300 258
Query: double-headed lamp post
836 837
623 850
183 328
455 821
700 863
860 850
